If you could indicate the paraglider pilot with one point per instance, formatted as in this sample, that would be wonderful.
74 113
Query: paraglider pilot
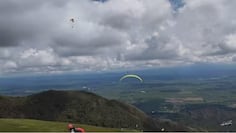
72 129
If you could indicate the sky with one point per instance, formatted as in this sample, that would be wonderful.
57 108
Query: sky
37 36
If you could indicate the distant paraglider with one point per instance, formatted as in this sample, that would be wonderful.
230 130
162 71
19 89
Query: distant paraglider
226 123
72 20
131 76
163 129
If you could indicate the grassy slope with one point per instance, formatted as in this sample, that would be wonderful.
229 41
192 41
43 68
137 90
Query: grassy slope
24 125
76 107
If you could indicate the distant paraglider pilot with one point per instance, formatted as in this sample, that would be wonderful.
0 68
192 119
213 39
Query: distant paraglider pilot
72 20
227 123
72 129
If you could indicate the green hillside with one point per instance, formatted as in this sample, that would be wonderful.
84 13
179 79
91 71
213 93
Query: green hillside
24 125
76 107
79 107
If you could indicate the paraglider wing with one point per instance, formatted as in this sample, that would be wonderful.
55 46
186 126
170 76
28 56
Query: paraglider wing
72 20
131 76
227 123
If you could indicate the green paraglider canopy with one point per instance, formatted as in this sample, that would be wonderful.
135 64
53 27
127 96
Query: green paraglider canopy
131 76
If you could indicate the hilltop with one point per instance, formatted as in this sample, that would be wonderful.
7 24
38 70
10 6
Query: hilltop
77 107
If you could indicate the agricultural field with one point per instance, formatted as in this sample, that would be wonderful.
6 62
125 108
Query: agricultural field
174 99
212 90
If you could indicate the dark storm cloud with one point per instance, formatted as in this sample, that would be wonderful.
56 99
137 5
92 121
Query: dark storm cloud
10 7
8 39
16 6
23 21
14 31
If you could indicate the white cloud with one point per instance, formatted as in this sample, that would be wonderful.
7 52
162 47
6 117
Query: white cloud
38 36
230 43
10 65
33 57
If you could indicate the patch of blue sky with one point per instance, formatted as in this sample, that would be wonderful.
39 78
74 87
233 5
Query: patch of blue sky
176 4
100 0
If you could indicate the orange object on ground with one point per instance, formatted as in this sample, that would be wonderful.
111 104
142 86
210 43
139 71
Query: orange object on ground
71 128
81 130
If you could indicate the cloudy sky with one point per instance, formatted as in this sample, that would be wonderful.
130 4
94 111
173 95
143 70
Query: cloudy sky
37 36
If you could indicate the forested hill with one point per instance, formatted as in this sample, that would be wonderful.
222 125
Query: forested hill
79 107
